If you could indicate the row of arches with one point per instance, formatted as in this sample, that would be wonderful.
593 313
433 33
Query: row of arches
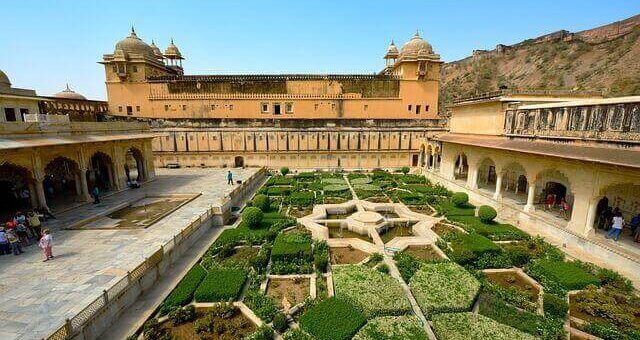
63 182
429 156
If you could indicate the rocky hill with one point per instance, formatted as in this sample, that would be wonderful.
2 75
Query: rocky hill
605 59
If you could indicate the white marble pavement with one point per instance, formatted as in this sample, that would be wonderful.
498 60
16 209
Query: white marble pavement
36 296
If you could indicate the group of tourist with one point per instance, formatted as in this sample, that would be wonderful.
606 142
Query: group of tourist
552 202
612 221
21 230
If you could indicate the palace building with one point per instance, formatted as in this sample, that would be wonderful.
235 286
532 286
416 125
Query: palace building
513 150
311 120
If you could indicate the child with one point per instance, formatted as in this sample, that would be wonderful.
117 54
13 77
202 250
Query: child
46 243
14 241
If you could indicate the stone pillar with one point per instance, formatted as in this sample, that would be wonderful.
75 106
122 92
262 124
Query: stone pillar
33 195
42 198
472 180
112 185
83 186
498 194
78 182
531 195
579 213
591 216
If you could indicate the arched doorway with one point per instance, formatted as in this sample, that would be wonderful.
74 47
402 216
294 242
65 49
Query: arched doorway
487 175
239 162
134 165
515 182
100 172
62 182
461 170
619 197
17 190
554 190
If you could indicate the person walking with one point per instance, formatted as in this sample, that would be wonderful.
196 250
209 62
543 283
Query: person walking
35 225
564 208
96 195
549 201
616 227
14 242
229 178
46 243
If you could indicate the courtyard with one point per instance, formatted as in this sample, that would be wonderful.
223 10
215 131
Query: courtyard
36 297
365 255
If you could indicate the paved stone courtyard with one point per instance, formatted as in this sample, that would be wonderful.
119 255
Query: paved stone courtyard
36 297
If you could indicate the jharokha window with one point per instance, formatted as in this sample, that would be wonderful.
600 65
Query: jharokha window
288 107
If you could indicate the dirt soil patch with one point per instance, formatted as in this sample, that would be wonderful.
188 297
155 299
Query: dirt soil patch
443 230
346 255
300 212
241 255
295 290
378 199
424 253
513 279
235 327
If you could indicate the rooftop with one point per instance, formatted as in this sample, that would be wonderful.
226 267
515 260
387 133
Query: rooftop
516 94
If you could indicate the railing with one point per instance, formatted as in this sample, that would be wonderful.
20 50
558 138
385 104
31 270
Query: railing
76 325
162 95
66 127
539 92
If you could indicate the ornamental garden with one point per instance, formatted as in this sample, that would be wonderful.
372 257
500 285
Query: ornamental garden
387 255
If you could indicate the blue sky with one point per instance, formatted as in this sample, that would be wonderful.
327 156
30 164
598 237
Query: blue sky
46 44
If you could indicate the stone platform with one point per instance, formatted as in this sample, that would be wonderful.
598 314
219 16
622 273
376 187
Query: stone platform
36 296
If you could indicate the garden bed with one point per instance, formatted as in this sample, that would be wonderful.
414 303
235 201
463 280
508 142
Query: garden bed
337 232
376 294
512 279
421 209
423 253
444 231
236 326
459 326
347 255
332 319
295 290
397 230
392 328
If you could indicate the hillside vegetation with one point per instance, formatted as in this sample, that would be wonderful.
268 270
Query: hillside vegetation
562 60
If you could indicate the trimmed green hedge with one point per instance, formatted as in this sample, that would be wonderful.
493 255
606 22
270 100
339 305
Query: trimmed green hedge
487 213
559 276
291 246
411 179
449 209
182 294
262 305
332 319
460 199
221 285
279 180
467 248
334 181
278 191
335 188
492 230
302 198
360 180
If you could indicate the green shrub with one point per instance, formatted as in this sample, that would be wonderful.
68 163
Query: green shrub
444 287
321 255
469 248
284 170
280 322
407 265
252 216
532 323
411 179
262 202
334 181
221 285
404 170
487 213
558 277
460 199
332 188
449 209
555 306
291 246
410 198
392 328
182 294
457 326
332 319
383 268
492 230
375 293
262 305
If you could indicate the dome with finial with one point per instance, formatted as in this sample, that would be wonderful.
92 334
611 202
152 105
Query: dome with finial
4 80
135 45
69 94
156 50
172 52
392 51
416 46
